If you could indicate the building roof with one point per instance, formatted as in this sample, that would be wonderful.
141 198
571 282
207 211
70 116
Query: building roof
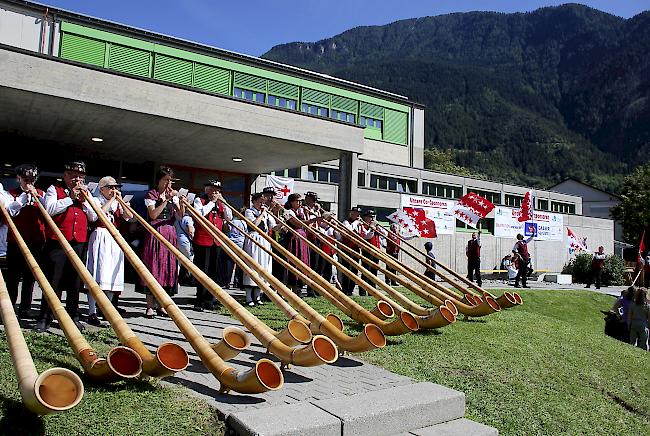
573 179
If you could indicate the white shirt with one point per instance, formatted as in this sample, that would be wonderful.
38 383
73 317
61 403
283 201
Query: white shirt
54 206
207 208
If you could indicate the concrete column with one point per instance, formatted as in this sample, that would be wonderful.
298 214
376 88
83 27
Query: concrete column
348 167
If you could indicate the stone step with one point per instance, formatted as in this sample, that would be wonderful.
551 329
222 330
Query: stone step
457 427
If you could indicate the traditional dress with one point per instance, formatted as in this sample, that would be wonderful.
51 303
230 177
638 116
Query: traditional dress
521 248
105 258
31 225
156 257
473 253
72 218
297 246
261 257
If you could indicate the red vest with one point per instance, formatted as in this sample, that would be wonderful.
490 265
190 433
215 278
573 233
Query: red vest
201 236
473 249
348 241
29 221
522 249
597 263
72 222
374 239
392 244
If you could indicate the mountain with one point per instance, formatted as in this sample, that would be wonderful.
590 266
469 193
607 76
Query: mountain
529 98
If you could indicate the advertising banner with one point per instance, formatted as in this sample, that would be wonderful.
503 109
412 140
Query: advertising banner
544 226
435 209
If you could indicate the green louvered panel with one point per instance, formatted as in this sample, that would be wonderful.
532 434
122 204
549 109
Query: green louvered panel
129 60
283 89
212 79
395 127
172 70
82 49
317 97
247 81
372 111
344 104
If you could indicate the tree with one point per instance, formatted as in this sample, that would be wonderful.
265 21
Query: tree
634 209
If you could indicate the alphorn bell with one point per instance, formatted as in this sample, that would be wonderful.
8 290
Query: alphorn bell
264 376
120 363
169 359
405 323
426 288
56 389
320 351
426 318
372 336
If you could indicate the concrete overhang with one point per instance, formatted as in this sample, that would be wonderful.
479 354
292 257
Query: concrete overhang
141 120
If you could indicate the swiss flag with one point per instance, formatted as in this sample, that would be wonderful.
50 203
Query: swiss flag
526 211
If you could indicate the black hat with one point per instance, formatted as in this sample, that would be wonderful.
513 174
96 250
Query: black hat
27 170
311 194
369 212
213 182
356 209
76 165
269 190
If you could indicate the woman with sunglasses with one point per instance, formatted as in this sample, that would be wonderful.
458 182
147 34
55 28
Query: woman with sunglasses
105 258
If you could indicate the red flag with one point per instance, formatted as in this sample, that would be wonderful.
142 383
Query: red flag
472 207
641 248
526 211
426 227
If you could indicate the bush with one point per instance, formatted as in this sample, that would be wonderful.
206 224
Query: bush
580 269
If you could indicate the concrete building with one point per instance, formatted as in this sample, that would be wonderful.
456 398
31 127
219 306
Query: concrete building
127 100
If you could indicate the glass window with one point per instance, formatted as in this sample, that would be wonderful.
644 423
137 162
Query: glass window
514 200
291 104
378 124
335 114
238 92
311 173
305 107
542 204
293 173
272 100
361 178
283 102
383 183
334 176
350 118
374 181
362 121
322 175
248 95
393 186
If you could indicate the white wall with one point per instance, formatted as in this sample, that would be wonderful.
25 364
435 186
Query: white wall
25 29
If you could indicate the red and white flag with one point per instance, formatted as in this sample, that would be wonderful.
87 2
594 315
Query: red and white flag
283 187
574 244
640 259
471 208
413 222
526 211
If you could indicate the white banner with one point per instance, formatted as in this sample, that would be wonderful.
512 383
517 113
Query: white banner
435 209
283 187
545 226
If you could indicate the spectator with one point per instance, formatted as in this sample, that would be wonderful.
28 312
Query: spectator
473 252
431 260
510 267
638 319
392 249
622 305
523 259
236 235
646 270
185 231
597 266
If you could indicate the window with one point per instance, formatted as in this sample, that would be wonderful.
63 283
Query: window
485 224
315 110
370 122
361 178
493 197
514 200
393 184
249 95
442 191
542 204
559 207
286 103
322 174
294 173
342 116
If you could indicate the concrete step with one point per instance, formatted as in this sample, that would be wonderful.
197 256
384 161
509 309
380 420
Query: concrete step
457 427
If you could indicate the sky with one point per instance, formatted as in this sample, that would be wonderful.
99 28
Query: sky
254 26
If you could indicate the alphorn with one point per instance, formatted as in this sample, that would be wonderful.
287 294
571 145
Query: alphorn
405 323
55 389
427 318
420 285
169 359
426 288
263 376
120 363
320 351
330 326
506 300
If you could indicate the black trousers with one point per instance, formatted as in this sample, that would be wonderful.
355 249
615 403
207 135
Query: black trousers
474 269
347 283
17 269
392 270
522 273
63 277
316 262
210 260
372 269
596 276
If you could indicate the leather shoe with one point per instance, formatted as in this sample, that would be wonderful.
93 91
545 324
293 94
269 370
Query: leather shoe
42 326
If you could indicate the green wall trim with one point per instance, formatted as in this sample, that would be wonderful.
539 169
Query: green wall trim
217 84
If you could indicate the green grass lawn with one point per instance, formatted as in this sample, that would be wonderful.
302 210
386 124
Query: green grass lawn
123 408
543 368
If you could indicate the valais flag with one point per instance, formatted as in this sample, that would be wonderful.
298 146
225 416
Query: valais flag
641 248
413 222
526 211
574 244
471 208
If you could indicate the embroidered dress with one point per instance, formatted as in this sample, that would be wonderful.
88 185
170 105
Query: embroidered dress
260 256
105 258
